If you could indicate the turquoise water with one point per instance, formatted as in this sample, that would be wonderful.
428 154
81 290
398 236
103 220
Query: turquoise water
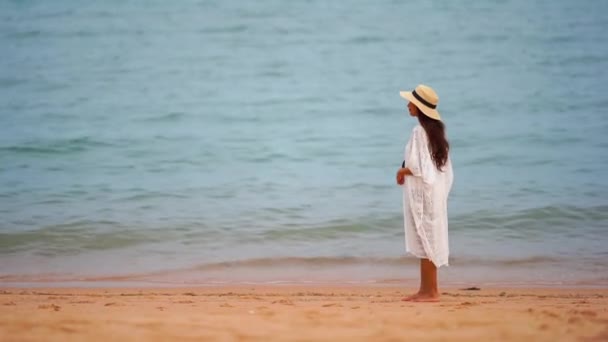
213 142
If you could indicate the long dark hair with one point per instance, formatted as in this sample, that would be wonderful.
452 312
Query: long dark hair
438 143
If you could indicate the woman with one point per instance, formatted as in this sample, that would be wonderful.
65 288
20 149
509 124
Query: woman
426 176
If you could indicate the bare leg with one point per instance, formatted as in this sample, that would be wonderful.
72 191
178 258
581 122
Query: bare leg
428 282
428 291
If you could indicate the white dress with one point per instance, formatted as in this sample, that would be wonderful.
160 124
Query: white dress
425 195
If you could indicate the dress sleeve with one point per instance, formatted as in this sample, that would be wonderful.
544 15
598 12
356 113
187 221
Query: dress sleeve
419 159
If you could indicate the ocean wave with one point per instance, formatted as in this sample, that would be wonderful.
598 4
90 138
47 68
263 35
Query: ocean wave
61 146
541 219
82 236
77 237
23 34
8 82
339 230
516 224
224 29
169 117
146 195
318 261
365 40
292 263
340 261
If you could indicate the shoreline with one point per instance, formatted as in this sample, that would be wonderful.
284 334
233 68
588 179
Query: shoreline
339 313
523 272
126 285
409 278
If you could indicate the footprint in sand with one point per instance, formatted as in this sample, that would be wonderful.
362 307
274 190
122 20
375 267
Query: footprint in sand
113 304
68 330
550 314
586 313
332 304
283 301
10 304
464 305
51 306
251 297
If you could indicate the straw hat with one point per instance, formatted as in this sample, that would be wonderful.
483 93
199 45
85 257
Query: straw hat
425 98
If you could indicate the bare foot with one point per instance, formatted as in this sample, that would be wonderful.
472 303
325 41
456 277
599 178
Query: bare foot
410 298
426 297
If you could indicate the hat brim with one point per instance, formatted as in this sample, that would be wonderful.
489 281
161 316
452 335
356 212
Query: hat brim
430 112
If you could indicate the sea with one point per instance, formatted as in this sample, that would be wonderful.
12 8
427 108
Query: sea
212 143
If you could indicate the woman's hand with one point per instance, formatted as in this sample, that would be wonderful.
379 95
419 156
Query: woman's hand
401 173
400 176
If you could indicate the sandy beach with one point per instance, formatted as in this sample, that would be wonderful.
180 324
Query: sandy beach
293 313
